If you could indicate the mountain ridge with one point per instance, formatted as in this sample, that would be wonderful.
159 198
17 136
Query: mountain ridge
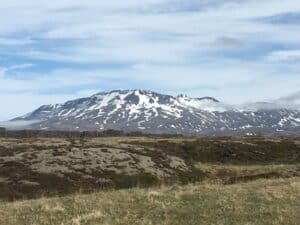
152 112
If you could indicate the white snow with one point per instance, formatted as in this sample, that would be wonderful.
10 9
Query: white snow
203 104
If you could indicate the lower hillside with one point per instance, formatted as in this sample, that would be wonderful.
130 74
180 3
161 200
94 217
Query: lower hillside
34 167
260 202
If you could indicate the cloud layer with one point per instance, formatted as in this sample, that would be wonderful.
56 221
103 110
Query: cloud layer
237 51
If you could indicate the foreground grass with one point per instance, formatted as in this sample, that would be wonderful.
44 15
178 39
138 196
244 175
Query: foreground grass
274 201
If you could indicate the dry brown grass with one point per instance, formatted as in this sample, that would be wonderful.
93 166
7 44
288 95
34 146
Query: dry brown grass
274 201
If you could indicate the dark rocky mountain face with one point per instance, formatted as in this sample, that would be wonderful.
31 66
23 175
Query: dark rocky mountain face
150 112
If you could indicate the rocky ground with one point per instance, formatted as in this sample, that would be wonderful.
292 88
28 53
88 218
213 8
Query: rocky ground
33 167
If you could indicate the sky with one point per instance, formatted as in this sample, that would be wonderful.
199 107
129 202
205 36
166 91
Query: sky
235 50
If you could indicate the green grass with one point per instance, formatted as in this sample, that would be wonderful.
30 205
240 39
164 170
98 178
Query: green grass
259 202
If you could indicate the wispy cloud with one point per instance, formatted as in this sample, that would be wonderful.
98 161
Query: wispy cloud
290 101
14 41
8 69
284 55
293 98
284 18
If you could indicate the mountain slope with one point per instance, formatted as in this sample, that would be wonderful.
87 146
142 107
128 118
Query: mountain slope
150 112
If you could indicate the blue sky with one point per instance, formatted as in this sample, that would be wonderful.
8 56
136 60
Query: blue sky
234 50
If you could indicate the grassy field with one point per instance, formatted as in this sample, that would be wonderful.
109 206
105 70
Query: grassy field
273 201
149 180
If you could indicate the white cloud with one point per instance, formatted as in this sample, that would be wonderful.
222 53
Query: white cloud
111 32
17 124
166 45
285 55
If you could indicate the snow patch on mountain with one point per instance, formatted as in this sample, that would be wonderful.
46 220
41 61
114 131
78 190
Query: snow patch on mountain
151 112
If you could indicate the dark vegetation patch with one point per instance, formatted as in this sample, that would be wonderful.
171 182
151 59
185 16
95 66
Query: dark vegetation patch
238 179
54 185
240 152
76 134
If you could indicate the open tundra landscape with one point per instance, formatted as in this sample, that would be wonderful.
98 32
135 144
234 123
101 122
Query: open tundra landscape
149 112
149 180
140 157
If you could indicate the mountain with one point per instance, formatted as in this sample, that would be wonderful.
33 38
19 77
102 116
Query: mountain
150 112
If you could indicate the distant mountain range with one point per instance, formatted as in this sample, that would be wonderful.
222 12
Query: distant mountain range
151 112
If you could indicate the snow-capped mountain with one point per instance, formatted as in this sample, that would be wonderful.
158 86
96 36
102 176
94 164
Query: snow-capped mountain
150 112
